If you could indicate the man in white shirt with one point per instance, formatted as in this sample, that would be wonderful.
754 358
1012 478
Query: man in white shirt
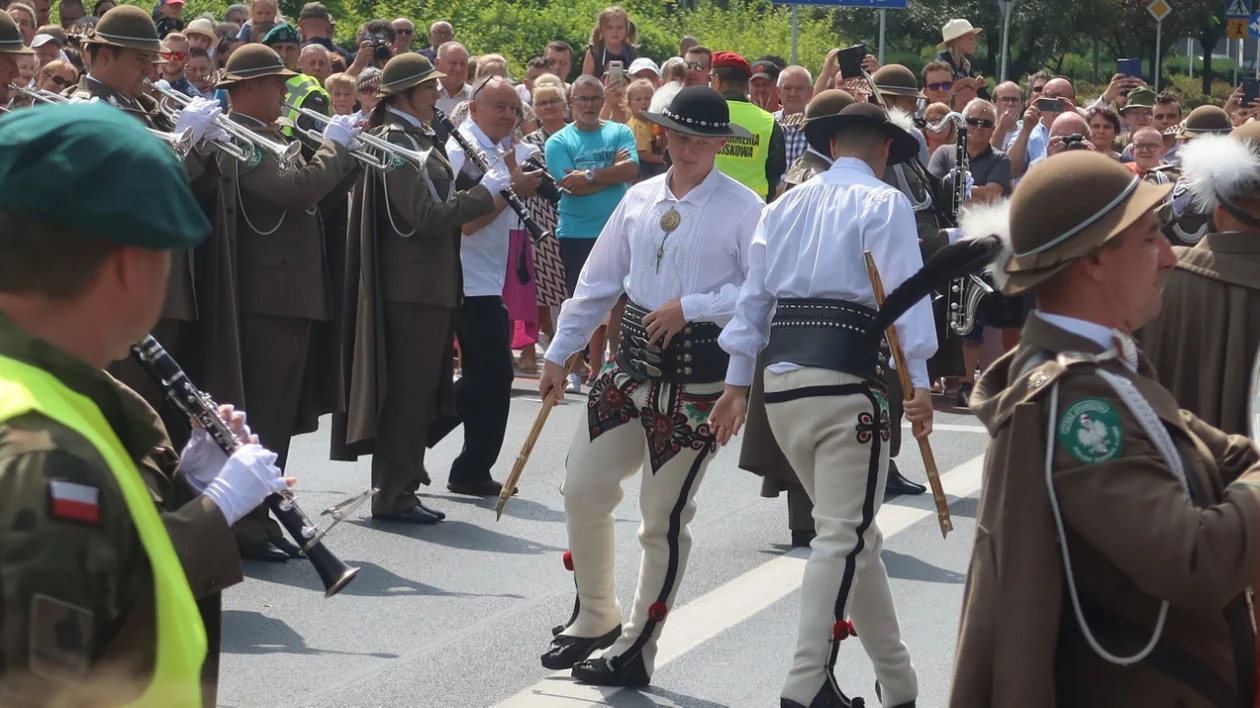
824 391
483 394
679 244
453 89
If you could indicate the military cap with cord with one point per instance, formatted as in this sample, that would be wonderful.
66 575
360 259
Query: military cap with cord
59 165
128 27
897 80
826 104
252 61
1220 169
405 71
1067 207
11 37
699 111
873 117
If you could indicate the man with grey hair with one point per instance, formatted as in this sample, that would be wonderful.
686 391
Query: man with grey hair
453 89
405 34
316 62
237 14
1009 98
440 33
796 87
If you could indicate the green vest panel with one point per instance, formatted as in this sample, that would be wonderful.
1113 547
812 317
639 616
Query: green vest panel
744 159
300 87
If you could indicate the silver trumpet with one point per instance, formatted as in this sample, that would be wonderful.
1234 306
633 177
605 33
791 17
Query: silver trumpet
244 143
390 152
182 143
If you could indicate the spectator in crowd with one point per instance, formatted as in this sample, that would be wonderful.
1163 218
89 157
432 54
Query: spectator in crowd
175 52
376 46
440 33
262 15
796 87
757 162
69 12
560 56
366 85
101 7
1148 152
648 142
673 74
453 88
315 61
1137 112
1117 89
614 38
28 66
1104 125
1009 98
315 21
593 161
169 17
938 81
1064 132
763 87
228 43
699 63
1165 117
615 108
56 76
342 87
535 67
687 42
932 115
549 106
237 14
958 42
24 15
405 31
43 11
964 92
1034 135
47 48
199 70
645 68
200 34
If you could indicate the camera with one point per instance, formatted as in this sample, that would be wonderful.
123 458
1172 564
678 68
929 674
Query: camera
380 48
547 189
1076 141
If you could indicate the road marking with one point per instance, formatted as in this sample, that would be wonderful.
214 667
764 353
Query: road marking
727 606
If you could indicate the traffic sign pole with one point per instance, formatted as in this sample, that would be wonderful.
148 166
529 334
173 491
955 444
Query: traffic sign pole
1159 35
883 21
796 30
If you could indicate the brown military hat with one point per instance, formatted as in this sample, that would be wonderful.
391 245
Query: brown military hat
825 104
252 61
126 26
404 71
1065 209
1205 120
11 37
897 80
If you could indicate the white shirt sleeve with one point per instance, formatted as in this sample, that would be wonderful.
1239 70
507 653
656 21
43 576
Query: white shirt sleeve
720 306
599 285
892 238
749 329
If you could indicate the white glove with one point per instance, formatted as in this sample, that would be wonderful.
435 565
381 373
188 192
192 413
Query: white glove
971 182
202 459
955 235
343 130
497 179
198 115
249 477
79 99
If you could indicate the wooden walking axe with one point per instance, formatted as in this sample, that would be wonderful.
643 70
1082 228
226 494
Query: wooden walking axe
539 421
907 389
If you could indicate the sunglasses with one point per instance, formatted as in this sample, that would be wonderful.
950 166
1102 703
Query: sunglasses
60 80
697 66
405 31
943 86
981 122
1038 89
175 56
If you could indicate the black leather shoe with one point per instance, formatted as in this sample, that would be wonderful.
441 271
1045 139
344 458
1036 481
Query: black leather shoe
566 651
264 551
415 515
598 672
897 484
802 539
880 695
484 488
439 514
963 396
826 698
284 544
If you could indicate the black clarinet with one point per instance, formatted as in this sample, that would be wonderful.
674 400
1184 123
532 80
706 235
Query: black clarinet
195 404
535 231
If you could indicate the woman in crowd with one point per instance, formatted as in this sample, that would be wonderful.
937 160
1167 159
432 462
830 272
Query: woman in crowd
57 76
614 38
367 84
549 106
933 115
1104 126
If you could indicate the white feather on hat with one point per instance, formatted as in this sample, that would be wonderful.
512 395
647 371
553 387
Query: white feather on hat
902 119
1219 166
991 219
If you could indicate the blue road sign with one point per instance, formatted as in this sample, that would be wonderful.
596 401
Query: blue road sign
1237 9
876 4
1253 27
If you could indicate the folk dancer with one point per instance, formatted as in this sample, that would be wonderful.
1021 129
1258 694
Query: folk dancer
679 242
824 391
1117 533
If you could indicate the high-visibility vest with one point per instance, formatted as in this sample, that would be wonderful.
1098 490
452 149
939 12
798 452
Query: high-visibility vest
181 636
299 88
744 159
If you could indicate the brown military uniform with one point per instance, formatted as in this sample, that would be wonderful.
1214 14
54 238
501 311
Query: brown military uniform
806 166
403 287
1135 536
55 572
1205 340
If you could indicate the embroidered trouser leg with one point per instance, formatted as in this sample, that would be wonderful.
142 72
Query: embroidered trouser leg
833 428
673 445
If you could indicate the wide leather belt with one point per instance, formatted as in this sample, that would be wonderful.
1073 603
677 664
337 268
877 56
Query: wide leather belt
827 334
693 355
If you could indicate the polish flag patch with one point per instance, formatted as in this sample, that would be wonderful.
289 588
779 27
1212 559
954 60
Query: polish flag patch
78 502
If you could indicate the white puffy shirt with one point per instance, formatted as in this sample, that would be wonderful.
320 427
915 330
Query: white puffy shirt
704 262
811 243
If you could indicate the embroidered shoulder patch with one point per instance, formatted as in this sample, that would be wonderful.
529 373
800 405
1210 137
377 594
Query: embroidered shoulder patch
61 639
1090 430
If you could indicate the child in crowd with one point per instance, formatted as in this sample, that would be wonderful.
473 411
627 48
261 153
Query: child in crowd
342 88
646 140
614 38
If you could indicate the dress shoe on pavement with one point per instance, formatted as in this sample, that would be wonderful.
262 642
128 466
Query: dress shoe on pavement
826 698
484 488
802 539
284 544
566 651
264 551
441 515
599 672
415 515
896 484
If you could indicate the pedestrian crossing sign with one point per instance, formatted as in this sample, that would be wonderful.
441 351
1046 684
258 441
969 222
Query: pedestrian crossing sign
1237 29
1237 9
1160 9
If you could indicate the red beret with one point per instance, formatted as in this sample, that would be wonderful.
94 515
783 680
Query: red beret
733 61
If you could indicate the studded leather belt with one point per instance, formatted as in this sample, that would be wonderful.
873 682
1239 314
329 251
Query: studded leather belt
693 355
827 334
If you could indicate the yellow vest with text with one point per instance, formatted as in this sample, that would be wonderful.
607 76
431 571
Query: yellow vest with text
744 159
181 636
300 87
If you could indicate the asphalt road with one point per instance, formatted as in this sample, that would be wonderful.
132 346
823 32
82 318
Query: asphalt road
456 615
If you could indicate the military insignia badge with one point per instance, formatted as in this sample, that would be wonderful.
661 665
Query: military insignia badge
61 639
1090 430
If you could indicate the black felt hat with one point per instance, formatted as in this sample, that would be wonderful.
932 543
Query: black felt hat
700 111
872 116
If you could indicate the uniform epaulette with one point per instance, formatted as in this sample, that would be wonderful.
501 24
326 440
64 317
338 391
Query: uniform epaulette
1037 378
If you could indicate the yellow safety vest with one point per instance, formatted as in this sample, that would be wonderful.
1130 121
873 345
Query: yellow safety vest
181 636
744 159
299 88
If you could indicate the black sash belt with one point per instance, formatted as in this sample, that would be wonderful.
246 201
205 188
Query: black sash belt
827 334
693 355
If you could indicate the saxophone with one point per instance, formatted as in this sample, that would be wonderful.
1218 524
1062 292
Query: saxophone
964 295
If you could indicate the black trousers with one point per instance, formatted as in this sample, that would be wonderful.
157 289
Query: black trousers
483 395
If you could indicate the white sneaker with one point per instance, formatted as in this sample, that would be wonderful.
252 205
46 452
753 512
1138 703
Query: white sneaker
575 384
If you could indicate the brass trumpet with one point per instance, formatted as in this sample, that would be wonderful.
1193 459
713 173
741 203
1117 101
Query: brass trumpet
182 142
244 144
390 152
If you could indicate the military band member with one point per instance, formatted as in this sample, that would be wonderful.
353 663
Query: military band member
1205 341
1117 534
679 242
817 156
269 212
99 533
1186 222
11 47
824 391
404 280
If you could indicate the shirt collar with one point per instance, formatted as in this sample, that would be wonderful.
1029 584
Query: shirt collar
250 118
699 193
1102 335
409 118
475 131
735 96
851 163
463 90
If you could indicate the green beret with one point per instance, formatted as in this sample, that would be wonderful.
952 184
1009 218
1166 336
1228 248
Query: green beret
95 170
282 32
